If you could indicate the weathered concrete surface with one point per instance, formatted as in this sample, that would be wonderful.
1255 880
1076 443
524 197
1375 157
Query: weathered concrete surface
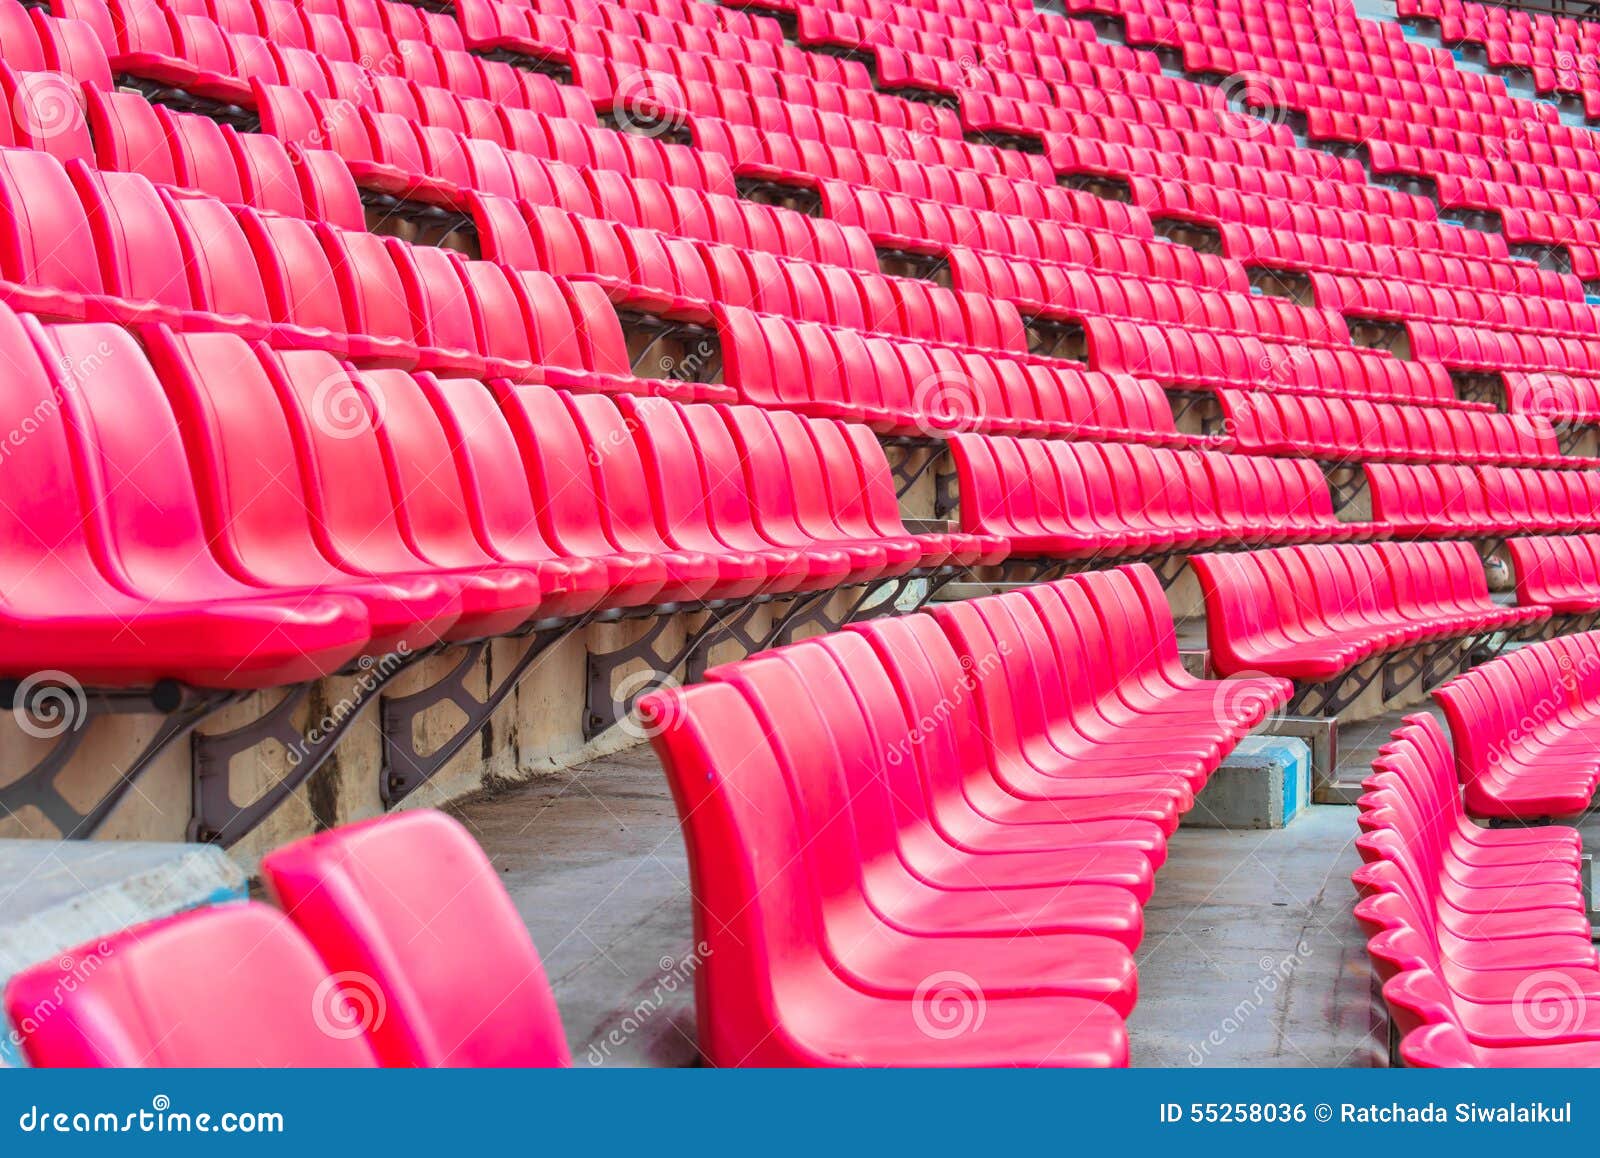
1264 783
1251 956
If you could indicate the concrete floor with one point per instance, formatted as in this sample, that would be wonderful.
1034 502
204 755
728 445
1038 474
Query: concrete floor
1251 956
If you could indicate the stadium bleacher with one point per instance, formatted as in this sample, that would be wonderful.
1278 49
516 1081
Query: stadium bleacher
894 372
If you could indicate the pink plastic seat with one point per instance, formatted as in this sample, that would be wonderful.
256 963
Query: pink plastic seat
227 986
410 904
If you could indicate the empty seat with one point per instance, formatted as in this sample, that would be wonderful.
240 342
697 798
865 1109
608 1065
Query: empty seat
1525 732
1465 924
226 986
410 905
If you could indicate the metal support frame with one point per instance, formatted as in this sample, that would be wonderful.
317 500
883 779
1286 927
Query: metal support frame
1345 482
692 352
1424 664
217 818
434 224
1570 433
1480 386
405 769
63 712
183 101
607 703
905 475
1332 697
946 494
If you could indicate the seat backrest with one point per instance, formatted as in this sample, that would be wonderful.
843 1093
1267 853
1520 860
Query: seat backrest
408 907
44 233
753 908
235 985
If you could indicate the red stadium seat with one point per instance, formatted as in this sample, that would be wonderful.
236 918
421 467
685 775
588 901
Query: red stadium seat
224 986
409 905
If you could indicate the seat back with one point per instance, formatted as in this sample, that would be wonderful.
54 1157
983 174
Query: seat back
227 986
408 906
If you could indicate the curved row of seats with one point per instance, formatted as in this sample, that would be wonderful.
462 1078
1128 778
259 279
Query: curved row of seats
229 514
1313 613
1561 572
1343 430
362 964
1449 500
81 243
1525 730
1067 500
1480 937
982 793
899 386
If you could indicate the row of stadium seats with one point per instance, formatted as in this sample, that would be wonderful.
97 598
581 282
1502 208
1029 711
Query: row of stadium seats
1561 572
958 791
1480 937
1314 613
1345 430
283 553
1066 500
1524 731
1484 501
88 244
361 965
